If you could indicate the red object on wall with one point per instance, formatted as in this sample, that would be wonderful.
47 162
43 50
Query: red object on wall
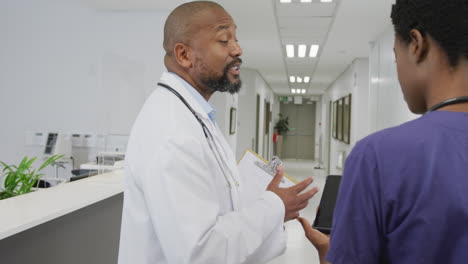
275 137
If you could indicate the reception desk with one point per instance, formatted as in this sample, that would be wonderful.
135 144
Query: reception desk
75 222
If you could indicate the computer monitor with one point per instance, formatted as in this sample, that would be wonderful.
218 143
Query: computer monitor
50 144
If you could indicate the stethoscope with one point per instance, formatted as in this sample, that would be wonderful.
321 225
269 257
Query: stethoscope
232 182
456 100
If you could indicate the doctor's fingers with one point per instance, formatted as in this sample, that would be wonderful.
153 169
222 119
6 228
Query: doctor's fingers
303 199
302 205
302 185
291 215
308 195
277 178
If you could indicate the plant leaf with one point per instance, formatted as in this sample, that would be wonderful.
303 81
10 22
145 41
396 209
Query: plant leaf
49 161
20 179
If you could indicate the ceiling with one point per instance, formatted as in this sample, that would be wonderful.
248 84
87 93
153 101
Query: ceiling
342 28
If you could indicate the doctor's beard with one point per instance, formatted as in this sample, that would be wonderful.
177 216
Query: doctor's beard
223 84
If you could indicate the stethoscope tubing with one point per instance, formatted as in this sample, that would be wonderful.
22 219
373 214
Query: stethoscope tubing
209 137
451 101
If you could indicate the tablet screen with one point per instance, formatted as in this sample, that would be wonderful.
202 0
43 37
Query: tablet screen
324 219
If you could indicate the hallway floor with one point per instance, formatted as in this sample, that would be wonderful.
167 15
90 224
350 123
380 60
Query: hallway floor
299 249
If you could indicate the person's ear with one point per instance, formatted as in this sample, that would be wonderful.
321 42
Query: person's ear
182 54
418 47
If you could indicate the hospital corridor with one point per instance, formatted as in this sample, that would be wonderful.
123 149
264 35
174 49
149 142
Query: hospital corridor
233 131
300 250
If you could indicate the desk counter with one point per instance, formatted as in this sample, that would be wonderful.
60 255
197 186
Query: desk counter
26 211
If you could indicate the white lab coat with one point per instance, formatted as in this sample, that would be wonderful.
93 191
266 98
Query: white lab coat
178 207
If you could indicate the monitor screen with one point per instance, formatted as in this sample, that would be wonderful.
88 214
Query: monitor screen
50 144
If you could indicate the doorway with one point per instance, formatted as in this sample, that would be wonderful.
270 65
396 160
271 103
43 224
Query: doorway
257 124
299 142
266 126
331 113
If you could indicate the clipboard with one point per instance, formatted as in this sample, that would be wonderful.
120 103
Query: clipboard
260 172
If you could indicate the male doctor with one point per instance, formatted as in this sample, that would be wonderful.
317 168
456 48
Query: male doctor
184 199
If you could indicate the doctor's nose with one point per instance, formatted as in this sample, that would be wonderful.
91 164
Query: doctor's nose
236 50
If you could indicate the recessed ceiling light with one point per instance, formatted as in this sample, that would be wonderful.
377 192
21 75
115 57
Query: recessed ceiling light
307 79
324 1
285 1
293 91
290 51
301 53
313 51
303 91
292 79
299 79
306 1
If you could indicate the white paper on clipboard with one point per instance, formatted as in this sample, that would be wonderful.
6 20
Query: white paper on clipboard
256 177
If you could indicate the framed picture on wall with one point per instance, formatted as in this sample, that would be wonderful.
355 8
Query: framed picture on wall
347 119
333 115
339 119
232 121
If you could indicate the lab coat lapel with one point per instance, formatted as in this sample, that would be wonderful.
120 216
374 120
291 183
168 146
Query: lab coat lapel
220 141
230 159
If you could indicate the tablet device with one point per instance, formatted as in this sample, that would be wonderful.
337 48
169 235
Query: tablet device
324 219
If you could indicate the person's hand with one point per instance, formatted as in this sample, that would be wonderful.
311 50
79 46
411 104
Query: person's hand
292 198
320 240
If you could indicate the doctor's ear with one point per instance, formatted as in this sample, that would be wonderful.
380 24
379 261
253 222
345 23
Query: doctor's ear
182 55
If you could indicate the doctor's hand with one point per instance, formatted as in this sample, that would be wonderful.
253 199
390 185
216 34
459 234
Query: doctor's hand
292 198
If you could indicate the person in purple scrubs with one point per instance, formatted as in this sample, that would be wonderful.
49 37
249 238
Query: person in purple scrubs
404 193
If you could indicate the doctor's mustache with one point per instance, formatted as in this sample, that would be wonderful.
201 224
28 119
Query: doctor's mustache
233 63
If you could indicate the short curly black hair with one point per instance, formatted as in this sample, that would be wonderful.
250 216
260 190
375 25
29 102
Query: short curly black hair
446 21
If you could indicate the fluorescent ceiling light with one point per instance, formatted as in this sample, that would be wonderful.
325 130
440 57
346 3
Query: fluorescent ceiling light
293 91
303 91
292 79
324 1
290 50
285 1
307 79
301 53
306 1
299 79
313 51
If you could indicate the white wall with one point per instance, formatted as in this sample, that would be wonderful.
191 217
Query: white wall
319 130
353 81
377 100
68 68
253 85
223 102
246 113
386 106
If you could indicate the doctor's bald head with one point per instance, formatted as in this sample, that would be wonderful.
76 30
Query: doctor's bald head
183 23
201 47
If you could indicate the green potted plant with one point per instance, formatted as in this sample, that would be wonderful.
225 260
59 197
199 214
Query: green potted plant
281 127
22 178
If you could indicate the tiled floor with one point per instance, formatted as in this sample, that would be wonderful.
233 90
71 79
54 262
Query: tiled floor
299 250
